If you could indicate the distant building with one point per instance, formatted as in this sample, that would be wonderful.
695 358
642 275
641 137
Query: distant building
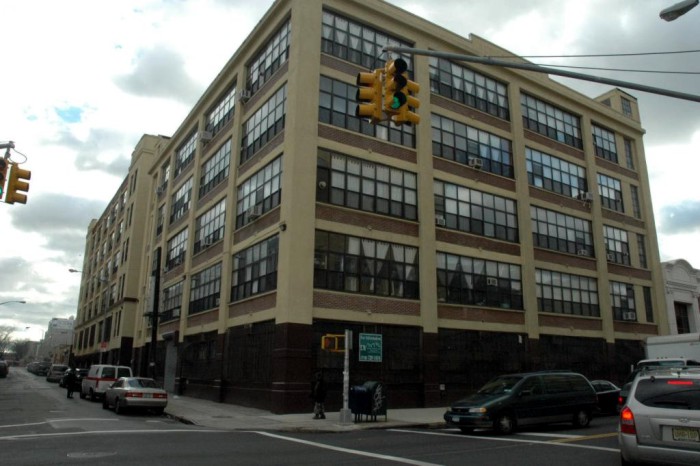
57 340
512 229
682 296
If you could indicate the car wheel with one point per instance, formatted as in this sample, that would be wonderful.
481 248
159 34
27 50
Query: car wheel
582 418
624 462
467 430
92 395
82 395
118 408
504 424
159 411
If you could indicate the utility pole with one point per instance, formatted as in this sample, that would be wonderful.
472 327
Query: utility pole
546 70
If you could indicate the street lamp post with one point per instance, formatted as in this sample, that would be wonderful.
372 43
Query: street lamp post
8 302
679 9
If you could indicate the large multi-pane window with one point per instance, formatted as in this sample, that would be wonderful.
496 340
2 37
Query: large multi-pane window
616 245
265 124
272 56
554 174
610 190
337 107
355 42
184 154
623 305
629 153
366 266
255 269
177 247
260 193
216 169
464 144
181 201
360 184
476 212
205 289
160 219
604 143
642 249
561 232
648 304
636 206
551 121
478 282
469 87
564 293
172 302
626 107
222 111
210 226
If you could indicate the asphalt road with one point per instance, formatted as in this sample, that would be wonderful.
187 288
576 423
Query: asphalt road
39 425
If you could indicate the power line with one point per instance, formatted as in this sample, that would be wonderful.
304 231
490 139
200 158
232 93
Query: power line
618 69
599 55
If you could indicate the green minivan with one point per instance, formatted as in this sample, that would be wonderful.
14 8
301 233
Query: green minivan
516 400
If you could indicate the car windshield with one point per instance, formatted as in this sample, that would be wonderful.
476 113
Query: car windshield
123 372
670 393
499 385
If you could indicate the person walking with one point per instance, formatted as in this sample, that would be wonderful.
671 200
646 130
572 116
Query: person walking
70 382
318 395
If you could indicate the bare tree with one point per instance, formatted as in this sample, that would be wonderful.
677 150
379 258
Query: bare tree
5 337
21 348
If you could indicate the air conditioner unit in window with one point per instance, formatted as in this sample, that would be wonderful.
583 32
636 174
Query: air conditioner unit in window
160 190
177 261
629 315
475 162
610 256
206 242
585 197
205 136
440 221
244 95
582 252
254 212
491 281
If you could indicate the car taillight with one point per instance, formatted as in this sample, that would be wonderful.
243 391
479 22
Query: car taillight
160 395
134 395
627 422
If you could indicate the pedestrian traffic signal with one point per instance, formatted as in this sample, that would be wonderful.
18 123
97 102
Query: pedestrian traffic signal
4 165
395 81
18 181
335 343
369 96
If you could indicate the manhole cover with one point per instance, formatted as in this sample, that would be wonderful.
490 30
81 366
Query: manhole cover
91 454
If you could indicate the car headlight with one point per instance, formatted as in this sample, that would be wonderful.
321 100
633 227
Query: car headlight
477 410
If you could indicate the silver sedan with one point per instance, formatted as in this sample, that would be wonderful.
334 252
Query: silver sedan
135 392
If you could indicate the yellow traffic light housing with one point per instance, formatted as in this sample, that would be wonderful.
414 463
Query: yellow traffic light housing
369 94
4 166
18 181
405 114
335 343
395 81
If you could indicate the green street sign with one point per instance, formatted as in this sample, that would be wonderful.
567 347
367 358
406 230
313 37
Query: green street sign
370 347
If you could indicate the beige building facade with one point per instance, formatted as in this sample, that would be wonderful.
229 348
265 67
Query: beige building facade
512 229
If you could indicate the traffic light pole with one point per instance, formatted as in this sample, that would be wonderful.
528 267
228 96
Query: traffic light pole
345 415
546 70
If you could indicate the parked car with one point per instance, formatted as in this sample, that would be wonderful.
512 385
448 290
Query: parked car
56 372
608 395
135 392
4 368
101 376
42 368
77 381
660 422
511 401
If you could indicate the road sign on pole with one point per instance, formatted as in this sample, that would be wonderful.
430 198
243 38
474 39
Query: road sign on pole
370 347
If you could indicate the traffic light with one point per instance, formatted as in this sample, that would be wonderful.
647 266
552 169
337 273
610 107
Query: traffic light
17 182
370 92
4 165
395 81
400 92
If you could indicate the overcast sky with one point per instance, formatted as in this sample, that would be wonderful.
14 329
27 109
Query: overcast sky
82 81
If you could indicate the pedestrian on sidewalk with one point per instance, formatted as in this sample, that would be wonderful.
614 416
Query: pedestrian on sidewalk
318 395
70 382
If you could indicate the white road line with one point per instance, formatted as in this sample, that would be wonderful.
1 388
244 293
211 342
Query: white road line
54 420
512 440
398 459
103 432
542 434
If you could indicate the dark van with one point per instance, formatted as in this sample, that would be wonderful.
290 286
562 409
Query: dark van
515 400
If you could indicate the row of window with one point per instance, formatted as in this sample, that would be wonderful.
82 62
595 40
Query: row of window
366 266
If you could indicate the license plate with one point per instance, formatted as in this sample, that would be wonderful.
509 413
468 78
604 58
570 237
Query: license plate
686 434
148 395
455 418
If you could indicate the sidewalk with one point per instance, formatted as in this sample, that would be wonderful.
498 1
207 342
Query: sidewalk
232 417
